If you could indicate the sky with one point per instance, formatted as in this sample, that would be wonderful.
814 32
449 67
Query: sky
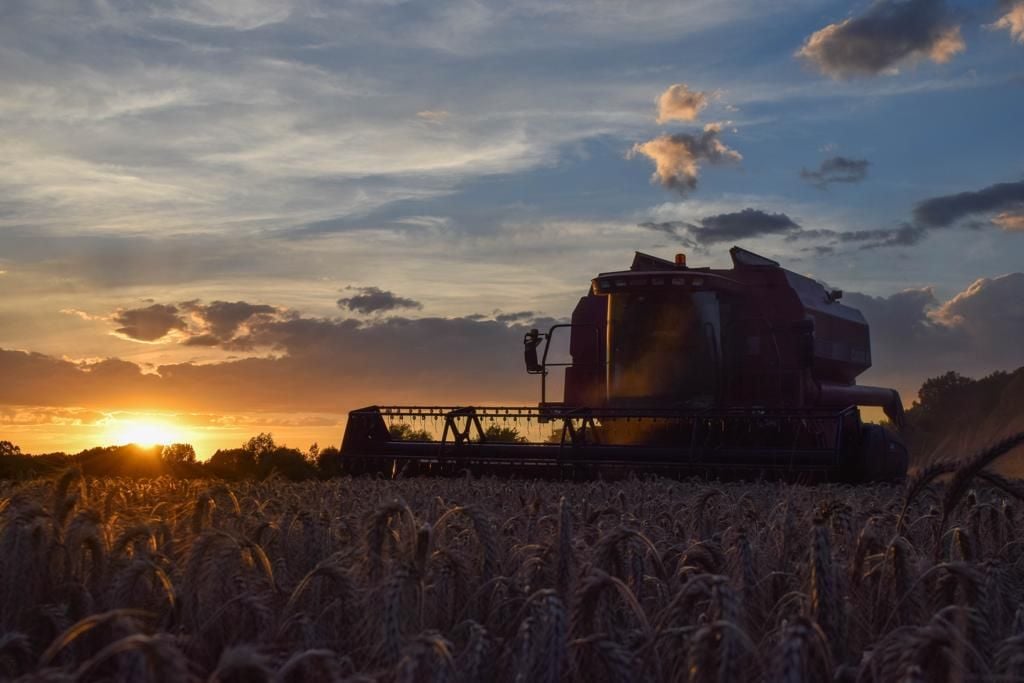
225 217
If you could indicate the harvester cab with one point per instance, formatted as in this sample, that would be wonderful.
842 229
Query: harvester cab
673 369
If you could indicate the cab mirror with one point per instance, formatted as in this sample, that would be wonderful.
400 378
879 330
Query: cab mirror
531 340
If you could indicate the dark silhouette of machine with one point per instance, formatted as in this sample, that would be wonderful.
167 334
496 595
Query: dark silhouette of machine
749 370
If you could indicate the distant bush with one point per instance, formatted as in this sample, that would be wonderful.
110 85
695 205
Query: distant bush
403 431
503 434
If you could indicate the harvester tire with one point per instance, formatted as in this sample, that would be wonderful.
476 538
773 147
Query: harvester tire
883 456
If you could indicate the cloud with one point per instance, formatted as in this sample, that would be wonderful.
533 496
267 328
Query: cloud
933 214
221 322
311 364
728 227
679 103
516 317
1001 203
148 324
837 169
945 210
991 310
889 34
1012 21
329 365
20 415
433 116
376 300
677 157
915 336
191 323
1010 222
903 236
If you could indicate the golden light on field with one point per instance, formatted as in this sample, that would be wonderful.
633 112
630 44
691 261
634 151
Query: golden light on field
144 432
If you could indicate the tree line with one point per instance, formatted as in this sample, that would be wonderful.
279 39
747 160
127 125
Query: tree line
257 458
952 413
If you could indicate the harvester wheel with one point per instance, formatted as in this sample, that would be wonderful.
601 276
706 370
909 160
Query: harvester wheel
354 466
883 455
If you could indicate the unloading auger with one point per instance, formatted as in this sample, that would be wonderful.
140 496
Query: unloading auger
748 371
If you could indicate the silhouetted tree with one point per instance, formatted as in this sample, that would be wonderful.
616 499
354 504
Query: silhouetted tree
260 445
179 454
329 462
289 462
232 463
130 460
952 409
8 449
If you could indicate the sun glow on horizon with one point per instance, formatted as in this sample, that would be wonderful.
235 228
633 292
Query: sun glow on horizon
146 432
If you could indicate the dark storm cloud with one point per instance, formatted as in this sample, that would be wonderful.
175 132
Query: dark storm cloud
943 211
677 158
837 170
376 300
889 33
148 324
728 227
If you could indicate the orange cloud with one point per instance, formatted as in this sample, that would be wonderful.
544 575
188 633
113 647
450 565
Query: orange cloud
1010 222
679 103
677 157
1013 21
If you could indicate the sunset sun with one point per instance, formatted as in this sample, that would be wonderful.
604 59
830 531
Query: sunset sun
145 432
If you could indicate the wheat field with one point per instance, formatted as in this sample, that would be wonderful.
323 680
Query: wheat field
105 579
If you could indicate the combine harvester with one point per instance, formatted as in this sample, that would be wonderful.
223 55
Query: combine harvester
748 371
